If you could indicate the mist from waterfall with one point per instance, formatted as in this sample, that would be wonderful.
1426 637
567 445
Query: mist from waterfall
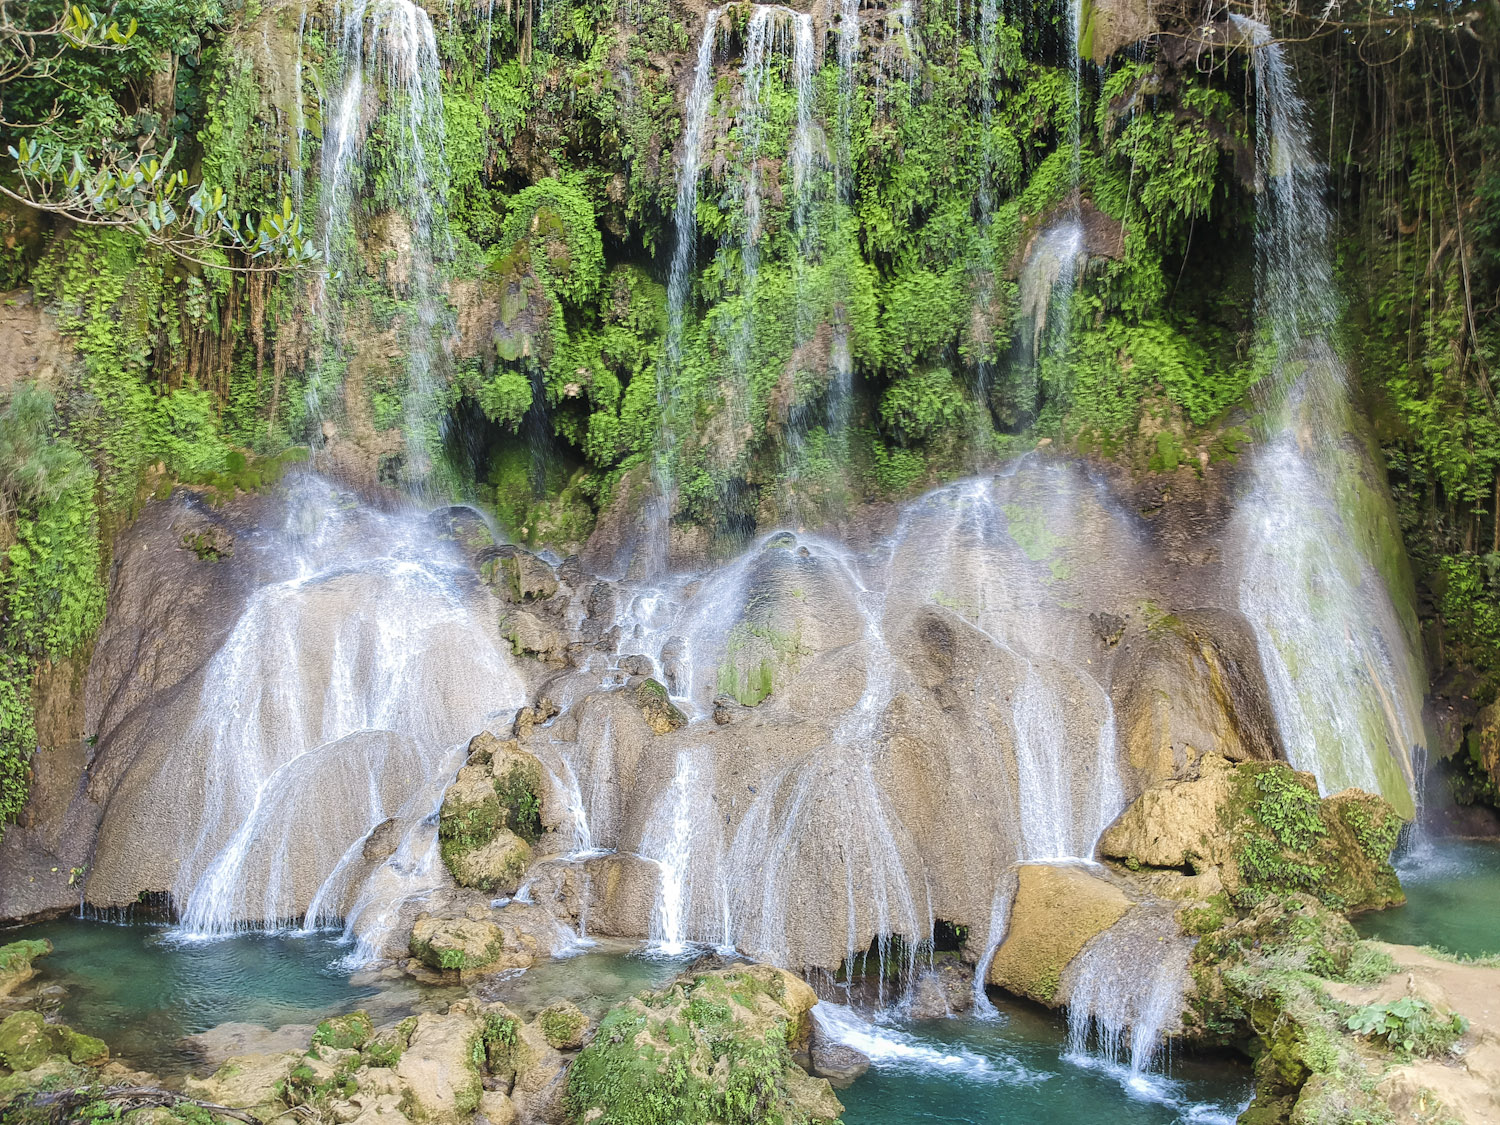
1322 577
331 720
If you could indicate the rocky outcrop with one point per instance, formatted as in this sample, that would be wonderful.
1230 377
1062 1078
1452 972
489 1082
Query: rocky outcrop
655 1057
1056 912
1258 827
15 963
492 815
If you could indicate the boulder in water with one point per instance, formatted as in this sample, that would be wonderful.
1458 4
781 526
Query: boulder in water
15 963
463 945
1058 909
839 1063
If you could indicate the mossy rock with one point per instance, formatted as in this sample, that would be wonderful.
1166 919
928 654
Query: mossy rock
1263 828
25 1041
702 1050
660 713
344 1032
456 944
495 866
15 963
563 1025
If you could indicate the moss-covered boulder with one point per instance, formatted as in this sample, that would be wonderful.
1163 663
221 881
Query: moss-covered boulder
344 1032
1262 828
15 963
1057 911
27 1041
706 1049
660 713
491 815
563 1025
495 866
462 945
24 1041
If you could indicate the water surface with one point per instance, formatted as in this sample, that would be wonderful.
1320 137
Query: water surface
1016 1070
1452 899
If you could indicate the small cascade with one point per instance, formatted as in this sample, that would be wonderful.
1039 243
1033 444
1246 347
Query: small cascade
343 698
679 281
1321 554
681 840
1005 892
1047 280
899 48
1126 989
384 125
890 1047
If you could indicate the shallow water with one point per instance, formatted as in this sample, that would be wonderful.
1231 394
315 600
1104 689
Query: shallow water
1017 1071
1452 899
142 990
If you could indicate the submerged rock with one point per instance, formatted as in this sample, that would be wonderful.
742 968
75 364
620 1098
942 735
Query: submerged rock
839 1063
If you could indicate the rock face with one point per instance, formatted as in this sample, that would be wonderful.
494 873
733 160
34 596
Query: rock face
654 1057
1056 912
1258 827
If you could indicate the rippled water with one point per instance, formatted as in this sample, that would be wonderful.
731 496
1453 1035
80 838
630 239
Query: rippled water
1452 899
1017 1070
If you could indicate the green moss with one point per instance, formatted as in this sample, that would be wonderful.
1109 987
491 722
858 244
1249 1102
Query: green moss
20 954
344 1032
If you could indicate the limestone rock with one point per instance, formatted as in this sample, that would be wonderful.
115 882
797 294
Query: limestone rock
495 866
1057 910
1177 823
838 1063
1263 825
531 632
461 945
497 1108
528 577
24 1042
660 713
1108 25
248 1082
15 963
1191 687
563 1025
438 1066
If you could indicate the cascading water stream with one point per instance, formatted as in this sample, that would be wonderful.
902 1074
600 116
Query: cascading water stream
1338 651
338 707
1126 991
390 92
679 282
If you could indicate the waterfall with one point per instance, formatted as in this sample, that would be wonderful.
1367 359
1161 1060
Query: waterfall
1338 650
682 839
389 93
342 699
1126 990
